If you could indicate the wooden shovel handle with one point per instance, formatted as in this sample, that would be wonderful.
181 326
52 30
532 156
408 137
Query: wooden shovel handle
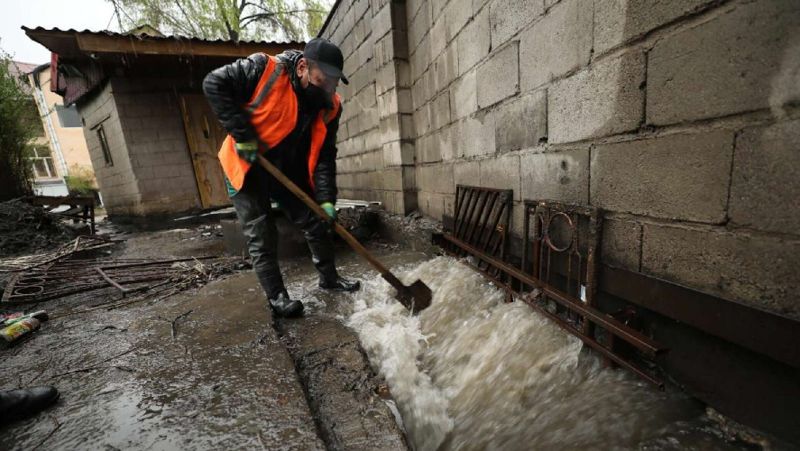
310 203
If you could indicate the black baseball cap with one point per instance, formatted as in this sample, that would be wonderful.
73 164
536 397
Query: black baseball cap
327 56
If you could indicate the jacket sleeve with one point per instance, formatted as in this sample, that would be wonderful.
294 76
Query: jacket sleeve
229 88
325 172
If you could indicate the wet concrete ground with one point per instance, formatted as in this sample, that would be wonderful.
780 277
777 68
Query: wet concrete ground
204 369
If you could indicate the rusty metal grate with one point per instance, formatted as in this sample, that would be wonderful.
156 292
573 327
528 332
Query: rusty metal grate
481 219
557 276
560 246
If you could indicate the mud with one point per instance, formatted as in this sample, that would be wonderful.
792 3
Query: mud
204 369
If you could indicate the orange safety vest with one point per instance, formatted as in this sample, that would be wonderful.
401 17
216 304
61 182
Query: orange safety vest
273 113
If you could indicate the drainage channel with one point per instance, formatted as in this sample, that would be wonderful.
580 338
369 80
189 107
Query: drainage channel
475 372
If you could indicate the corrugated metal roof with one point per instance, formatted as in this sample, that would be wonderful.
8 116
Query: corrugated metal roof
73 43
149 37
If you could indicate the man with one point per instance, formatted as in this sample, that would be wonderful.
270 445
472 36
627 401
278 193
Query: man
285 108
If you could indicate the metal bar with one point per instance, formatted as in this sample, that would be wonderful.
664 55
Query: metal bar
470 207
596 346
639 341
476 217
485 218
158 262
566 326
111 281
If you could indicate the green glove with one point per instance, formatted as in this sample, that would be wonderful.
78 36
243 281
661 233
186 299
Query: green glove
329 208
248 151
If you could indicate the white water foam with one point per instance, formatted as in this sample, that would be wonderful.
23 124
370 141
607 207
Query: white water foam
473 372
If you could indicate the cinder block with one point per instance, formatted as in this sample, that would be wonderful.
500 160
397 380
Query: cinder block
509 16
560 176
446 66
407 127
420 59
360 7
385 78
436 178
621 244
456 14
422 119
428 150
409 179
413 7
404 101
502 172
446 143
498 77
438 37
392 153
556 45
437 8
604 99
476 135
474 42
431 204
392 179
765 190
683 177
754 269
522 122
387 103
441 110
467 173
464 96
728 65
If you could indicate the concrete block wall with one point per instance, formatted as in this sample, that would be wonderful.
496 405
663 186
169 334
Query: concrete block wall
117 181
679 118
152 123
375 149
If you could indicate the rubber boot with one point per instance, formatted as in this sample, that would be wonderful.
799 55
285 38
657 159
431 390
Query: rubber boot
340 284
18 404
284 307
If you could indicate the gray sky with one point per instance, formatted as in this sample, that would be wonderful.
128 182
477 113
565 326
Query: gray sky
79 14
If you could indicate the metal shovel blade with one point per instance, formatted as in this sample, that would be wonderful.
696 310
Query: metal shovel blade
415 297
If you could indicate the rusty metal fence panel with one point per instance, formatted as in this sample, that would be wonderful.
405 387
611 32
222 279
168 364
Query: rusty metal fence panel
558 271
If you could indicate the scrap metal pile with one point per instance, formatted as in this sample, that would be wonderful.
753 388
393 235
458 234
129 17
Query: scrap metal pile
74 268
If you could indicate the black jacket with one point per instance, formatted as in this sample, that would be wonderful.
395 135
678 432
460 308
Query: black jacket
229 88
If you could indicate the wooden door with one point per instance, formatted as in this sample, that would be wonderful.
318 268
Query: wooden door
205 136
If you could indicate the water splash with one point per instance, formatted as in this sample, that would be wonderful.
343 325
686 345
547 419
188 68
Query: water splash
472 372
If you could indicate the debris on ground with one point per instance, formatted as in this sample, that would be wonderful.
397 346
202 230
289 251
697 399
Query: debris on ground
68 276
25 228
78 246
20 328
361 221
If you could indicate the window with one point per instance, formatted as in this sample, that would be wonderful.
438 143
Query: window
68 116
101 135
43 164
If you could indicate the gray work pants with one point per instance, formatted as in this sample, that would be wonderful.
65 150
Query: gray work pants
253 208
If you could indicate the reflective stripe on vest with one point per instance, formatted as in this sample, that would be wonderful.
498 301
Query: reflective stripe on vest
273 114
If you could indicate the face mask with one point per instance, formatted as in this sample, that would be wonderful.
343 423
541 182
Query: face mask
317 96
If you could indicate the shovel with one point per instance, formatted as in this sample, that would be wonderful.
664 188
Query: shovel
414 297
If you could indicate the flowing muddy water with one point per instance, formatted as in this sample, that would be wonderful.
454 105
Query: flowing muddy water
473 372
